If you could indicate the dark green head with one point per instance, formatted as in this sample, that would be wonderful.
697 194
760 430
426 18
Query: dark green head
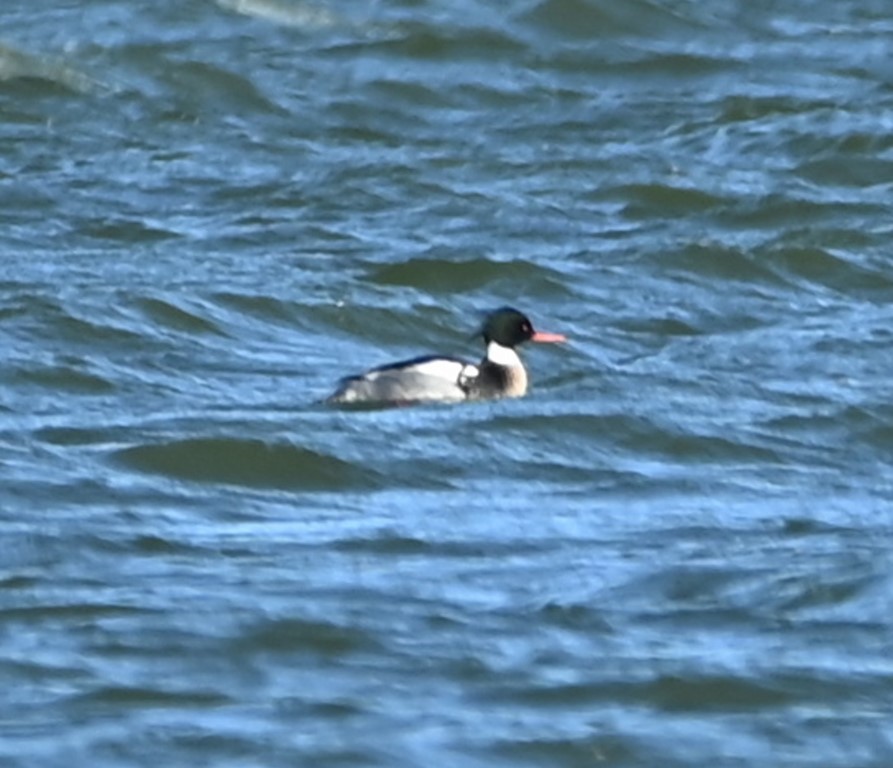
508 327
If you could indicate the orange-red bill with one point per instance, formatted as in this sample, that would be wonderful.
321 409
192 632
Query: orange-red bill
549 337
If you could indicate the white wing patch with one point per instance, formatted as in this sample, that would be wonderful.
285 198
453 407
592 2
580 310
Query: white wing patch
468 373
439 379
438 369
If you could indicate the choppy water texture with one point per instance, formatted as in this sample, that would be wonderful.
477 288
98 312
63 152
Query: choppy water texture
676 551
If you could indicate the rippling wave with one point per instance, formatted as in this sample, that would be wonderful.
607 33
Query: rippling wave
246 462
673 551
20 65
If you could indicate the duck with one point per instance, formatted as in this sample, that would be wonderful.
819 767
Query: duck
437 378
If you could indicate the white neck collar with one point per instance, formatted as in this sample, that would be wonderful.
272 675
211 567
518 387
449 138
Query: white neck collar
504 356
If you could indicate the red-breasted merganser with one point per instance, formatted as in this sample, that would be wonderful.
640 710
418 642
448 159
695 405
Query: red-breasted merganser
449 379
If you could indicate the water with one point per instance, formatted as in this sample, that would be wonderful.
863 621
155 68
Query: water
675 551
